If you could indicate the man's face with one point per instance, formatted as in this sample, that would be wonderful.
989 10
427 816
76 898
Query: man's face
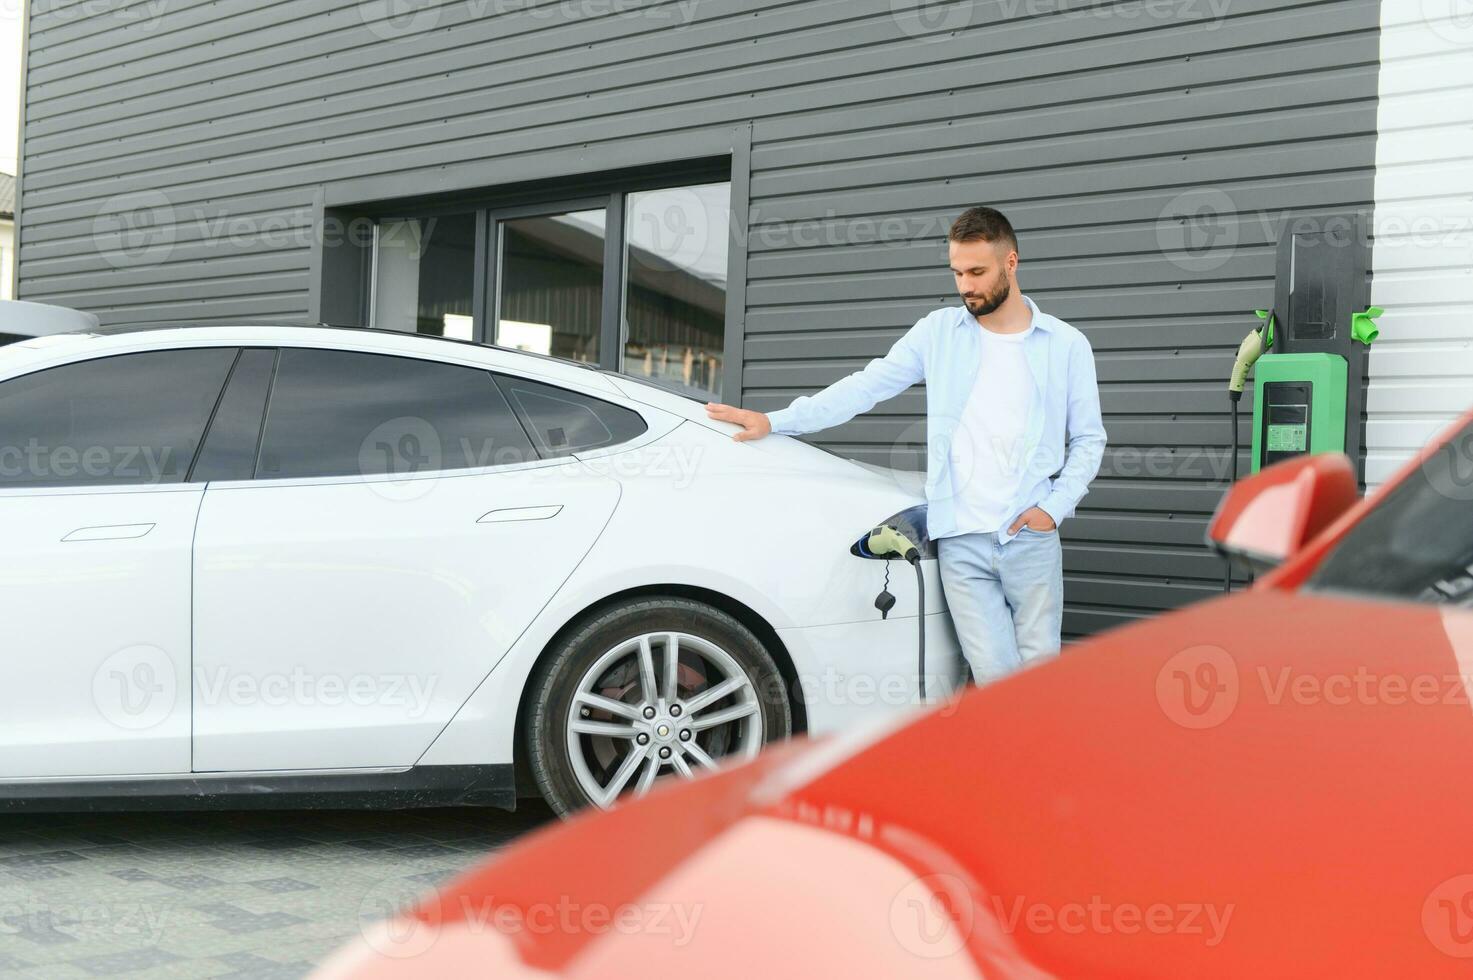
981 270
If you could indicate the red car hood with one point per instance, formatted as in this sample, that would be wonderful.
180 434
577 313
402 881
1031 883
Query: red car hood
1267 784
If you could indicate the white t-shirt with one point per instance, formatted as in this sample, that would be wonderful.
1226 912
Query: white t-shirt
987 451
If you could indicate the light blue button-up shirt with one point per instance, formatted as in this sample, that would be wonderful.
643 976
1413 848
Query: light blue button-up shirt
1065 438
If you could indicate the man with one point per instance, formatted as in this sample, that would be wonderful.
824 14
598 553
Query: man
1013 416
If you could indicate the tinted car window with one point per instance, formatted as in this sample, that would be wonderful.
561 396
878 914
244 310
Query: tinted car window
125 420
1418 542
339 413
564 422
230 448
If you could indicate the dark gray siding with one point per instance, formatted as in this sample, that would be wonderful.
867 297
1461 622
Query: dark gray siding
1107 130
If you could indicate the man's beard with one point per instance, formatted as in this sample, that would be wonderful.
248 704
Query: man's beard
983 307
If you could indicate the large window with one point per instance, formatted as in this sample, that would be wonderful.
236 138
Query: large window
631 280
675 286
552 284
424 275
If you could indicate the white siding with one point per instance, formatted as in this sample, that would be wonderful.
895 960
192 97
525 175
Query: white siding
7 257
1422 367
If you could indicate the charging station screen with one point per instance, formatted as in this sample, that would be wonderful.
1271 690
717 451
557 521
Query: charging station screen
1288 429
1286 420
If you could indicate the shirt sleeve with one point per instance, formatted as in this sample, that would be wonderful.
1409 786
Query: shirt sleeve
1085 436
882 378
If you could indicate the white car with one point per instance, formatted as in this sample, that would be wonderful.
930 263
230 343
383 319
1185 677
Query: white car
285 566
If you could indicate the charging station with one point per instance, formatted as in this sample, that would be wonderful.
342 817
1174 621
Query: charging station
1309 353
1309 389
1311 350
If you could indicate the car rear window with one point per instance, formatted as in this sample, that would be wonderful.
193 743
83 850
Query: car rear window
564 422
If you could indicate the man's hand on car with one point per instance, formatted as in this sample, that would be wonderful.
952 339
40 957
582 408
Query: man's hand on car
754 424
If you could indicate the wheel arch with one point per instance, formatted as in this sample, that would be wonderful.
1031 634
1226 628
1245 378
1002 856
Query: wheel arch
735 608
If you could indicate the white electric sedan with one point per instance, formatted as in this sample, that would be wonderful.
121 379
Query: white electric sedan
282 566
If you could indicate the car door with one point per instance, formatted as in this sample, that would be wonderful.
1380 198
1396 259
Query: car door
399 534
97 520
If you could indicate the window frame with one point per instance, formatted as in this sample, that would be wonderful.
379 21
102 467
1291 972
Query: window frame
490 243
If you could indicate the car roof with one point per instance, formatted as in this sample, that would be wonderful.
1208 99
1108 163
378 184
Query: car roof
428 341
125 337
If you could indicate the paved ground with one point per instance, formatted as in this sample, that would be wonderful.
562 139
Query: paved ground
240 895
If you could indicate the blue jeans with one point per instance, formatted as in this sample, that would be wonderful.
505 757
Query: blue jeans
1006 599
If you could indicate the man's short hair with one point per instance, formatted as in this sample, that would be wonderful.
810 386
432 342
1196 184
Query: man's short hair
984 225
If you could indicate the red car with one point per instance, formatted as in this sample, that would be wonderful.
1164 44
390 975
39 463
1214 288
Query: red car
1270 784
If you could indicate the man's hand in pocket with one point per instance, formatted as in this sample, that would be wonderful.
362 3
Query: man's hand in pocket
1034 518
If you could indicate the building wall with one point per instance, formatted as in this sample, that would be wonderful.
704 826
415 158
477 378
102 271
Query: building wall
1422 366
1149 155
7 257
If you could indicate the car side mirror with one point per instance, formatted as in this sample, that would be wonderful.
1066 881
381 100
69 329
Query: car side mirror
1269 516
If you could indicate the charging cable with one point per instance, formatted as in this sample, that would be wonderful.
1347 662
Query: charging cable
886 541
1258 341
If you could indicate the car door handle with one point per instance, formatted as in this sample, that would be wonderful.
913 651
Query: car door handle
117 532
510 514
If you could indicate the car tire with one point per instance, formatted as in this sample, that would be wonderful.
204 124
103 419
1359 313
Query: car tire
600 665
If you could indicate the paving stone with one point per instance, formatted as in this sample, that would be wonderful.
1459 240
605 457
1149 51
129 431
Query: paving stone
236 895
277 886
36 926
39 873
386 843
40 859
192 883
113 964
283 843
423 850
56 971
138 874
249 966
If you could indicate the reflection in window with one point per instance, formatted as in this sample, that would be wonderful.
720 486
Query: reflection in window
675 292
551 284
425 275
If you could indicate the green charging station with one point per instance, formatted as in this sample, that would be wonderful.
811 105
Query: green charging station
1299 405
1309 354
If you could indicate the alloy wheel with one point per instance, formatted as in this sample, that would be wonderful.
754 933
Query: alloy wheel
659 701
